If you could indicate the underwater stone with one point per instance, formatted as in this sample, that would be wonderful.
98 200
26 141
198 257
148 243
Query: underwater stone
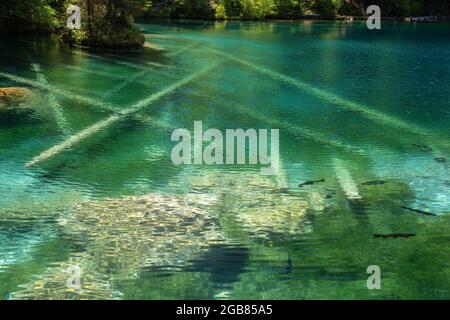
12 98
122 236
256 202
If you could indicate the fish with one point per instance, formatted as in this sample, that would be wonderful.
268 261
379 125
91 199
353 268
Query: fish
422 147
418 211
394 235
310 182
373 183
288 268
280 191
330 194
440 159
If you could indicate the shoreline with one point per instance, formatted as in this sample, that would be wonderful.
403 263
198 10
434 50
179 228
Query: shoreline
140 49
433 19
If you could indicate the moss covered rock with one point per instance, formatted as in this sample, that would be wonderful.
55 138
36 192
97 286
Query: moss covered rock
11 96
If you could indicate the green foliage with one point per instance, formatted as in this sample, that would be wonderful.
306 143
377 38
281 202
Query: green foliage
107 23
110 22
233 8
77 36
196 9
220 12
326 8
351 9
257 9
30 15
399 8
289 8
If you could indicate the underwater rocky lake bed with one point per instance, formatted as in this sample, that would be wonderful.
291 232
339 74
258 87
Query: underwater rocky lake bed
87 182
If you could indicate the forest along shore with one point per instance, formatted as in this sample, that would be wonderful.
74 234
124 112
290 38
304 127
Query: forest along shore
110 24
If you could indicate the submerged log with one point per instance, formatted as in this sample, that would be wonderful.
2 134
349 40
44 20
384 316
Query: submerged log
310 182
418 211
373 183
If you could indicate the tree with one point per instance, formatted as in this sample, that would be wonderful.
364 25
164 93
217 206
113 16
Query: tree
108 23
289 8
31 15
326 8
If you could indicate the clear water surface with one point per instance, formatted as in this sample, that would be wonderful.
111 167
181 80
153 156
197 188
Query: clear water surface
352 105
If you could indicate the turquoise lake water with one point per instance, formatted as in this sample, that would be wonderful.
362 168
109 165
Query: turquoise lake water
366 111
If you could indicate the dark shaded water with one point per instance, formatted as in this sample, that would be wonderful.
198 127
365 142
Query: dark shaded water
352 105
